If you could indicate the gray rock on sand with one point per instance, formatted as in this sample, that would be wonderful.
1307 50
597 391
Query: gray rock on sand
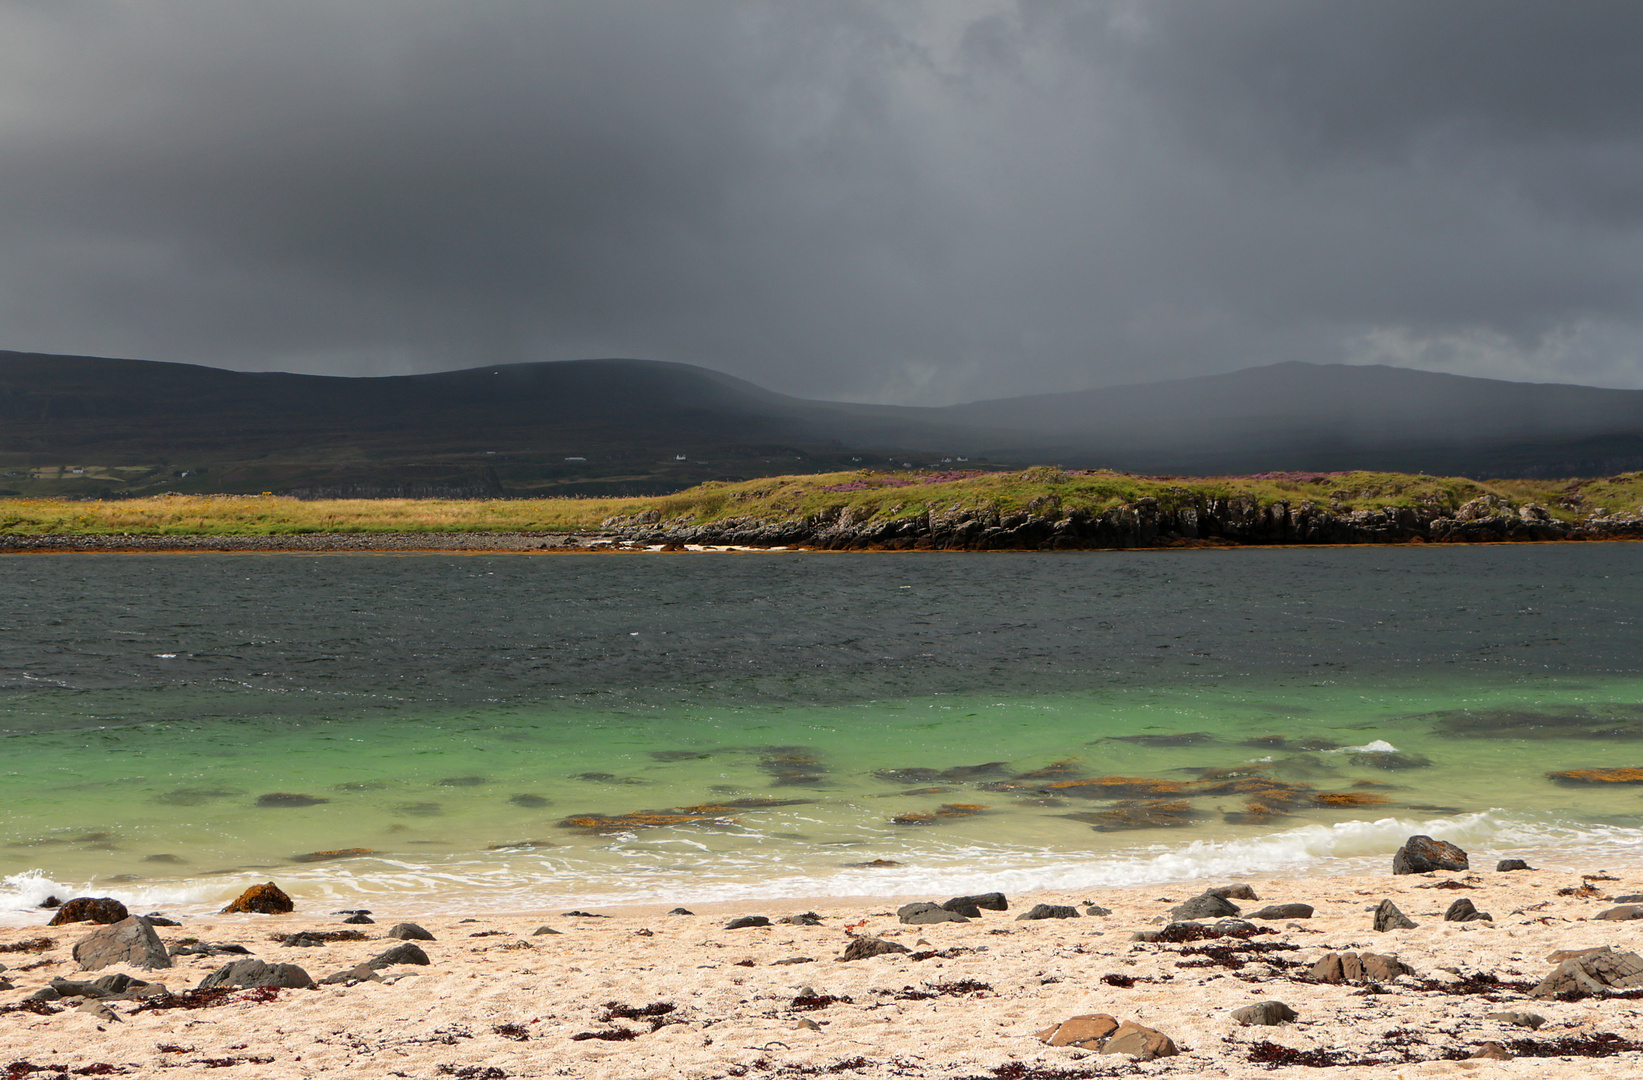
1508 865
1463 910
1629 898
542 931
1282 911
249 973
1097 910
362 973
921 914
862 948
747 921
1388 917
1623 913
1264 1014
1422 854
118 986
409 931
992 901
130 941
1593 973
404 953
1529 1020
1236 891
1204 906
1048 911
100 1011
1491 1051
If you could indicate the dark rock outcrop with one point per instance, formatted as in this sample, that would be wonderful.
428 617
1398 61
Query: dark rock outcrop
993 901
1048 911
1107 1035
1351 967
405 953
1595 973
97 909
1204 906
1264 1014
1236 891
862 948
921 914
266 899
747 921
249 973
1388 917
1422 854
1508 865
129 941
1463 910
409 931
1623 913
1283 911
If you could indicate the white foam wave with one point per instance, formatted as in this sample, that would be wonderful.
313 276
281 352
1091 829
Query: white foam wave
1377 746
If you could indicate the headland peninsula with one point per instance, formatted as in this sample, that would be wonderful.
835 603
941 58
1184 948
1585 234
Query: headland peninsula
1038 508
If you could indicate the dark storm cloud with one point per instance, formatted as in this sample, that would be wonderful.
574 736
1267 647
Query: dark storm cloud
919 202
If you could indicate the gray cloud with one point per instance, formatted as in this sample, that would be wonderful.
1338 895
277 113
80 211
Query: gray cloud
919 202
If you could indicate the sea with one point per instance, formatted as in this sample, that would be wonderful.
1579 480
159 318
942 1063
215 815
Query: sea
450 732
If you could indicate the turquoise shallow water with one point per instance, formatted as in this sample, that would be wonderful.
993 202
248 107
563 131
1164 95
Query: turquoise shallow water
178 726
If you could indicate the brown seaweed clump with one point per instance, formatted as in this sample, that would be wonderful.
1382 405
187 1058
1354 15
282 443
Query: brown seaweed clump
1349 798
268 899
1141 814
1597 777
328 856
647 819
1117 787
946 812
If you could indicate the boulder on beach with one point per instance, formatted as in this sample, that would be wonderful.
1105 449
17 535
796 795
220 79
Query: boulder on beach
747 921
409 931
404 953
1048 911
1264 1014
1204 906
1236 891
265 899
921 914
1388 917
862 948
1351 967
253 972
1107 1035
1508 865
1283 911
1463 910
993 901
97 909
1597 973
1422 854
130 941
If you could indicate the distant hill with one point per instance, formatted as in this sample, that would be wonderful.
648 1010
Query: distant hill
592 427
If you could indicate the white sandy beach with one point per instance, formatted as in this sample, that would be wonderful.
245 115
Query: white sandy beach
499 1001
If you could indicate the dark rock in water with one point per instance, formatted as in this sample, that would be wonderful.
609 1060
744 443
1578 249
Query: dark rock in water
1606 722
1204 906
196 796
409 931
420 809
862 948
353 911
464 781
130 941
543 930
248 973
992 901
164 857
403 953
1235 891
921 914
329 856
1388 917
360 920
1610 777
268 899
1596 973
531 801
1422 854
359 974
985 770
1623 913
51 902
1141 814
1529 1020
1507 865
1264 1014
154 918
96 909
1463 910
909 776
1097 910
1185 738
289 798
1283 911
747 921
1392 760
1048 911
681 911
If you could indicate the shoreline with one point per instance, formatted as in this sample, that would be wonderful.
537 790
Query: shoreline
615 544
500 1000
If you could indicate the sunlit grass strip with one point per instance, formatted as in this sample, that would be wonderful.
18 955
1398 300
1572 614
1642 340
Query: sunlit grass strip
855 496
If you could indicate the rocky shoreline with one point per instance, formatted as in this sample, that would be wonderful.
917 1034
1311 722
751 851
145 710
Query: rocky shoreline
1235 980
1043 526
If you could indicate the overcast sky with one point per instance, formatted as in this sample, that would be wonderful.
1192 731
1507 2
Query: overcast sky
877 201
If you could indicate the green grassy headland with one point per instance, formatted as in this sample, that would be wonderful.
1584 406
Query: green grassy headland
866 494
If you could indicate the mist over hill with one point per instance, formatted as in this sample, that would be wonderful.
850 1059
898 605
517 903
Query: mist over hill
99 426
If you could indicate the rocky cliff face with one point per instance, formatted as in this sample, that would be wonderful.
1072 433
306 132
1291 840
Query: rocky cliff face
1045 525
